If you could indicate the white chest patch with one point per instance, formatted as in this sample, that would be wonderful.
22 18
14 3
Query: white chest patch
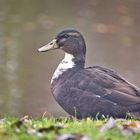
65 64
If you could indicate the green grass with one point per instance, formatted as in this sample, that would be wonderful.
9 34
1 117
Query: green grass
51 128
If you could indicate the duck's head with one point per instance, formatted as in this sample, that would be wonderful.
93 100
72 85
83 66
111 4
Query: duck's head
70 41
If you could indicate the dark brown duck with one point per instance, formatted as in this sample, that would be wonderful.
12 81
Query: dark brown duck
86 92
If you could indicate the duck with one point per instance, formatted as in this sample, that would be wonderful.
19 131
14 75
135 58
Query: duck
89 92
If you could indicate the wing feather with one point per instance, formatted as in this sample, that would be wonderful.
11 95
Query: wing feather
107 84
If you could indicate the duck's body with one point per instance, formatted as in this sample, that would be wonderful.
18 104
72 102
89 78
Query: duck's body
90 92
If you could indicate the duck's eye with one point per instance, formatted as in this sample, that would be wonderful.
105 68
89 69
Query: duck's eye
65 36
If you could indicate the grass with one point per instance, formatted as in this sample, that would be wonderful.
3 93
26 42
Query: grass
53 129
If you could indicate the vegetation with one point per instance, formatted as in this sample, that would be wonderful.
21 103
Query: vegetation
68 129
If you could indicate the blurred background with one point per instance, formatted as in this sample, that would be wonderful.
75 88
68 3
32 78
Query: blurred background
111 29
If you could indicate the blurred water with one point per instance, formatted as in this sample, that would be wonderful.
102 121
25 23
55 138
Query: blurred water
111 29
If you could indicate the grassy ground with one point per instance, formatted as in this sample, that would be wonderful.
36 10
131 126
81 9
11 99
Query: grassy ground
68 129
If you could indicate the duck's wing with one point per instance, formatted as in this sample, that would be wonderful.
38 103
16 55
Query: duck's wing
123 86
108 85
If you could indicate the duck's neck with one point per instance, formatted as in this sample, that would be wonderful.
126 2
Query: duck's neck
67 63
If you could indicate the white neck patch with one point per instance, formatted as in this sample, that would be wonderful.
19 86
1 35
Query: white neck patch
65 64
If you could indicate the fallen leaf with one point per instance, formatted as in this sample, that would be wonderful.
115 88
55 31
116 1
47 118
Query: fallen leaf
110 124
31 130
22 121
51 128
2 120
130 128
72 137
131 125
126 128
18 123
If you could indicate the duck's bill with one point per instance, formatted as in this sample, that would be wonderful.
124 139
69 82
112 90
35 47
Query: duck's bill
50 46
